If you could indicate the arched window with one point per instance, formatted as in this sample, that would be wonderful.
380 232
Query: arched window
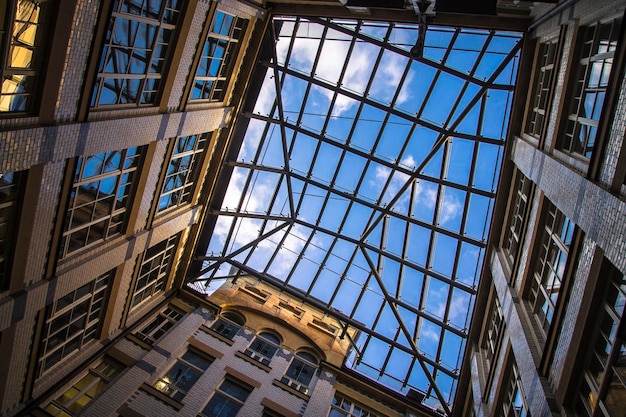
300 372
263 347
228 324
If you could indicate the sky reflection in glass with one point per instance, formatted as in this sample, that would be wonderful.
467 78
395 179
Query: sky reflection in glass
366 182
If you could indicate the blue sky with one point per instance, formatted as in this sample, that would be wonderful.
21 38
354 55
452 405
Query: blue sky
380 215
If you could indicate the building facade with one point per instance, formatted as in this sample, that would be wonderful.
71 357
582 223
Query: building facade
115 119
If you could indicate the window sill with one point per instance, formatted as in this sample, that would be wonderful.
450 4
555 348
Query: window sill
153 392
253 361
576 162
290 390
216 335
141 343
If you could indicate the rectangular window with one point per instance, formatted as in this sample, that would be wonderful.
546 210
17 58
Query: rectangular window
22 39
300 372
227 399
517 215
218 56
154 267
544 74
158 326
100 198
136 49
596 47
177 382
550 263
182 170
606 363
492 333
82 392
72 321
344 407
11 183
514 403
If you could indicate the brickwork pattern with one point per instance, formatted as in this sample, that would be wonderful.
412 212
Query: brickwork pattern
150 195
601 215
183 72
45 209
517 332
21 149
18 366
560 89
615 141
78 52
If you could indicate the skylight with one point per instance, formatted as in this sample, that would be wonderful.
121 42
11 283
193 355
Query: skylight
366 186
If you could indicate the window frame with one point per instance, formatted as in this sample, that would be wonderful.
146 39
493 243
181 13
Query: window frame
227 62
114 218
228 398
550 262
301 362
100 378
577 125
338 407
12 192
606 338
95 295
177 392
226 321
186 190
152 93
512 390
517 218
261 341
161 324
39 50
154 279
547 63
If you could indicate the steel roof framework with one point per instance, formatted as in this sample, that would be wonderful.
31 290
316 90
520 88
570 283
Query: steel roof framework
356 201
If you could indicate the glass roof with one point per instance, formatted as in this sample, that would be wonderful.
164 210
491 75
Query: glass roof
365 184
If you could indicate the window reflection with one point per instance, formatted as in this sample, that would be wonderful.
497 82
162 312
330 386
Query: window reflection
218 56
596 49
182 171
135 50
99 198
21 45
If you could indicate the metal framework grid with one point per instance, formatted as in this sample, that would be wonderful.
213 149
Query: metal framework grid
365 184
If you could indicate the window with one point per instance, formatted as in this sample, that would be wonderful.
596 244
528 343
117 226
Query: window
606 363
154 267
228 324
517 215
10 185
540 100
227 399
73 321
550 264
100 198
514 404
344 407
135 53
21 46
218 56
83 391
164 321
300 372
182 170
493 332
263 347
596 49
177 382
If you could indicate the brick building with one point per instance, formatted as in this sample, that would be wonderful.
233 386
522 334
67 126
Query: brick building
484 275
